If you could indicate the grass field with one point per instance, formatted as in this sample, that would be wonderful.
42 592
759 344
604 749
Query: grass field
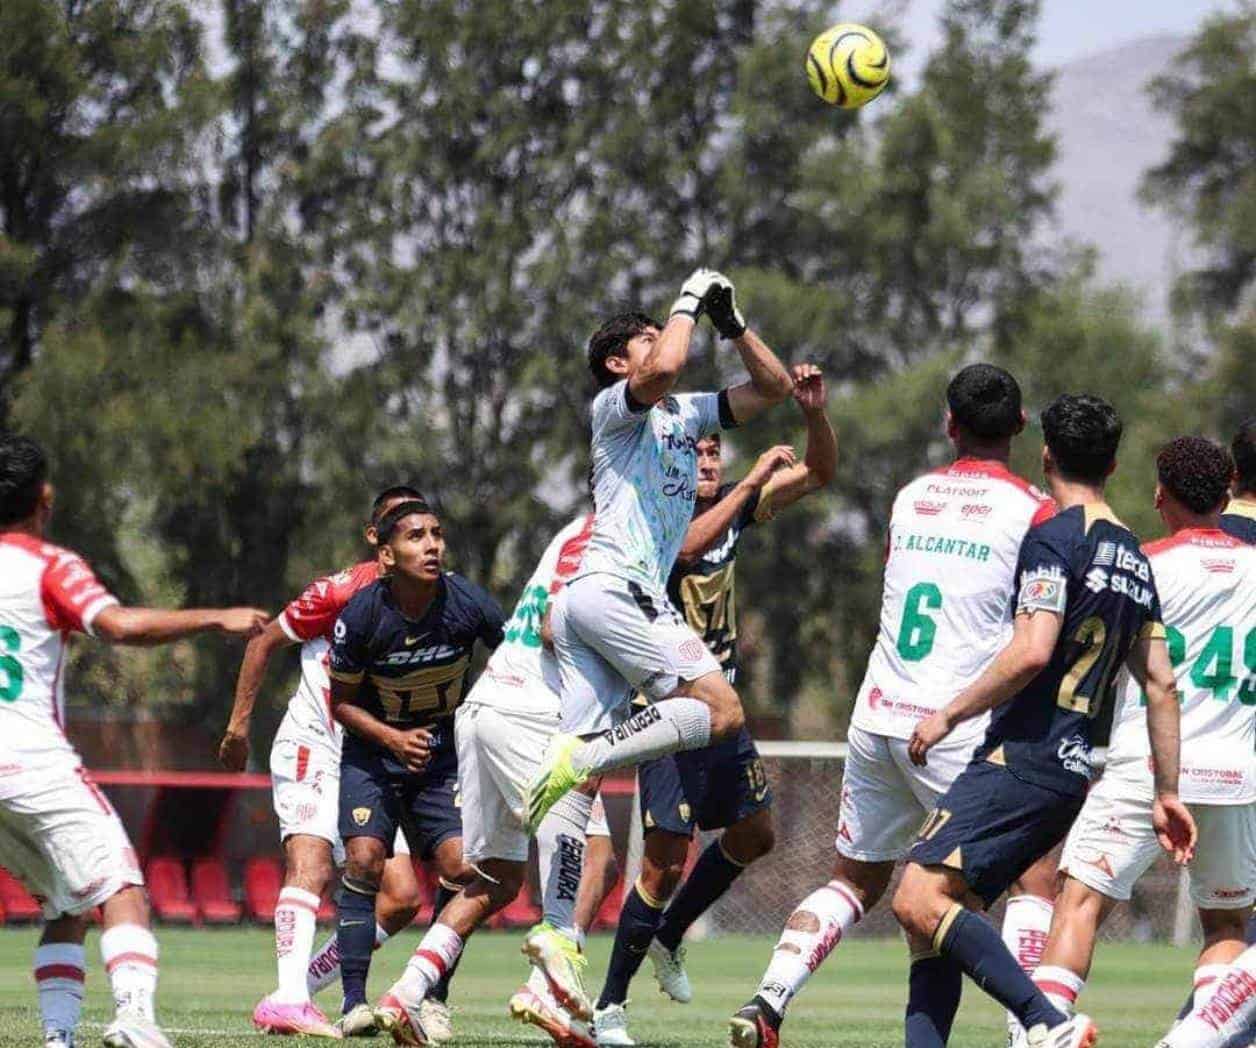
211 979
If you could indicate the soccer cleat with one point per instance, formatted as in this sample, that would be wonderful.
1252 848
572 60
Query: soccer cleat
528 1006
562 964
556 777
669 970
436 1020
1077 1032
54 1038
610 1025
754 1026
394 1016
358 1021
134 1031
305 1019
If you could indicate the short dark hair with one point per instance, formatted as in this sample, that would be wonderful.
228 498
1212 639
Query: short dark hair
1243 448
23 471
397 491
1083 432
1196 472
986 401
611 339
389 521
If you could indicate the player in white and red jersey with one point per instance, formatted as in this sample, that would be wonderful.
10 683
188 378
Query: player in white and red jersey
954 537
1206 580
305 776
58 833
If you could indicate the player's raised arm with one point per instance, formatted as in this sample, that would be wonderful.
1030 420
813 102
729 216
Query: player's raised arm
233 751
669 348
819 464
160 625
770 381
709 526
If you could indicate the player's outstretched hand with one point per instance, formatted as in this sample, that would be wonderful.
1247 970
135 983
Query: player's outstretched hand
243 622
414 748
929 732
809 389
1175 828
233 751
780 457
693 292
720 303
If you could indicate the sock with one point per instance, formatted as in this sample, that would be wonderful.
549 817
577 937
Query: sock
324 966
638 920
1060 986
814 928
934 986
444 892
438 952
1206 981
295 916
355 935
1026 926
1228 1011
60 968
659 729
975 946
130 955
560 841
710 878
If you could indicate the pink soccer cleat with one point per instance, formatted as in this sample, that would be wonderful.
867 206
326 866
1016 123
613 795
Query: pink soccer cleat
305 1019
528 1006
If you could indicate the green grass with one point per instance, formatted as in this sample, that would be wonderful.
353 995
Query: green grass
211 979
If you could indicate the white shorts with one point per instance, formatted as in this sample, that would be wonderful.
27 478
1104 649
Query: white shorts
614 638
1112 844
498 754
885 797
598 826
60 836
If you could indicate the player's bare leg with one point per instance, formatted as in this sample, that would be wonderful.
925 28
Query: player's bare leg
60 970
452 874
600 875
1027 921
129 950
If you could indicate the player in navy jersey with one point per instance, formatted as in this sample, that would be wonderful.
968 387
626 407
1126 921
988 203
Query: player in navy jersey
399 658
1239 518
1086 604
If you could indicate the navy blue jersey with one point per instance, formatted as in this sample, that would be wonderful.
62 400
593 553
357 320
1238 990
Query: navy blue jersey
413 673
1239 520
705 591
1086 566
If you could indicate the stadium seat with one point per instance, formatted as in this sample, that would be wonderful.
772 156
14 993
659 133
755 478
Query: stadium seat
168 890
211 891
608 915
522 913
262 880
19 905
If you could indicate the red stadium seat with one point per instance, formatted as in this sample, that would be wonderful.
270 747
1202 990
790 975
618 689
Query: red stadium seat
211 890
168 890
608 915
262 880
522 913
19 905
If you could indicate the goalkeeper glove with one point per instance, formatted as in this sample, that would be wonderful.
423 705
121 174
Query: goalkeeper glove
692 293
720 304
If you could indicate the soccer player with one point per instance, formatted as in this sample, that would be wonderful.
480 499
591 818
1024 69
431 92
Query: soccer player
305 777
1239 518
1085 604
945 611
615 631
399 658
1206 580
58 833
723 786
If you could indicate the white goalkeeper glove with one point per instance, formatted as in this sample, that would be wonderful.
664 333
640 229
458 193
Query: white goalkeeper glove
693 292
720 304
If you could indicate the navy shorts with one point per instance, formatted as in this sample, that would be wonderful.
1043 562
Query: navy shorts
378 797
992 826
711 788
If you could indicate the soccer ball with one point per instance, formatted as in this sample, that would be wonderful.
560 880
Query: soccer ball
848 65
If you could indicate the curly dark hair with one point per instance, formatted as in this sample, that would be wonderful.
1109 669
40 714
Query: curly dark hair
611 339
1244 451
1083 432
986 401
1196 472
23 470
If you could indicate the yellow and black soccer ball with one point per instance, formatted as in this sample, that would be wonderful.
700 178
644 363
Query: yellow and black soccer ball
848 65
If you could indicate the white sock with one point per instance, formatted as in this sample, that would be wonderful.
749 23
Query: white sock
437 951
295 915
537 982
1026 926
560 841
662 728
60 968
1060 986
324 966
1229 1009
1207 978
130 955
819 922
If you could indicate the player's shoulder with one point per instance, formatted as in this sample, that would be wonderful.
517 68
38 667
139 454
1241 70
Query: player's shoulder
38 551
468 596
1193 543
977 483
366 604
340 586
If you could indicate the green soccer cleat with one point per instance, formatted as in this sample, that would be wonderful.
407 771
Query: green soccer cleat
556 777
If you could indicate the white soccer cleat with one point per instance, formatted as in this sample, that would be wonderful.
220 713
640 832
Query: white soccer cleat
669 970
58 1038
1079 1032
529 1006
610 1025
358 1021
133 1031
396 1015
437 1020
562 964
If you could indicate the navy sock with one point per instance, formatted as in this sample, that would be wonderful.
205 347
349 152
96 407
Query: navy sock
355 931
707 881
976 947
444 893
934 988
637 923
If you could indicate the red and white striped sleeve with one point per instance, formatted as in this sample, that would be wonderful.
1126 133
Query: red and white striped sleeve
571 556
313 613
72 595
